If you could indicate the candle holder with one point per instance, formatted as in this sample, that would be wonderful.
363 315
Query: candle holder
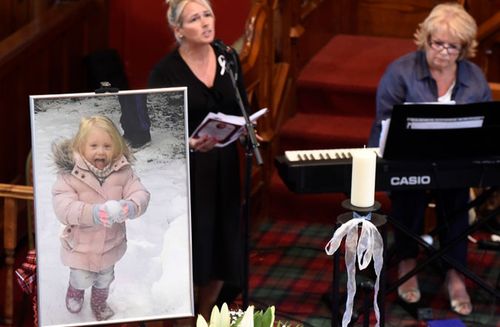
360 212
378 220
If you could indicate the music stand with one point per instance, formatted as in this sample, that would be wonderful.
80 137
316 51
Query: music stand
443 131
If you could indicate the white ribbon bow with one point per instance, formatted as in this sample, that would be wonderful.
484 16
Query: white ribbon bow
370 245
223 66
222 62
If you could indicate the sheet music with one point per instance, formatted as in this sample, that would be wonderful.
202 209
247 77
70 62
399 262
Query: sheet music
432 102
444 123
415 125
383 135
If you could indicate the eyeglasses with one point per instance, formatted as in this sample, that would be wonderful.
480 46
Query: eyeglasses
451 49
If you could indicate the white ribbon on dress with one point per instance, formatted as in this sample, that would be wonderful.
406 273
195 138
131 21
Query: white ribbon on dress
370 245
222 62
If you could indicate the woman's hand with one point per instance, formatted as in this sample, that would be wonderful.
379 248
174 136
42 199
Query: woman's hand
202 144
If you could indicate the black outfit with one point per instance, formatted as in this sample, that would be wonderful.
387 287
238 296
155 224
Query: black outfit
214 175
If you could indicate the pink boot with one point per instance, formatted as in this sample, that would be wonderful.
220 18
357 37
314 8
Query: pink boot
98 304
74 299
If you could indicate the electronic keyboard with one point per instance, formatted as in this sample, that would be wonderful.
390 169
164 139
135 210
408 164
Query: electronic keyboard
329 170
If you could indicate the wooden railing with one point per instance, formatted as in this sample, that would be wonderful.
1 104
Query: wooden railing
12 196
488 37
495 91
14 14
278 41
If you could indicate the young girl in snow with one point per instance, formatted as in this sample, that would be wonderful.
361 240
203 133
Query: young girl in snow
96 191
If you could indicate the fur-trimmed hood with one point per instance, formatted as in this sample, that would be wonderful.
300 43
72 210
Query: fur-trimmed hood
63 156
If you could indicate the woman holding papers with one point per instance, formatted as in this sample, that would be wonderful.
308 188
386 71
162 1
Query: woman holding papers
437 72
204 67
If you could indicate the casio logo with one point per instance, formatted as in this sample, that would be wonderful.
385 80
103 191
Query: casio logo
410 180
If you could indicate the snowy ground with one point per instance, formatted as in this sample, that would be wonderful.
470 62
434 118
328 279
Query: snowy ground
153 279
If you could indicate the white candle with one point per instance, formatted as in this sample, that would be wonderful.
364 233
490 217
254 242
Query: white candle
364 163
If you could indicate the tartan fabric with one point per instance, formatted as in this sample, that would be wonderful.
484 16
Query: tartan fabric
26 279
290 269
26 274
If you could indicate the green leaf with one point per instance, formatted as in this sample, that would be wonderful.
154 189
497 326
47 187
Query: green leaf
268 317
257 319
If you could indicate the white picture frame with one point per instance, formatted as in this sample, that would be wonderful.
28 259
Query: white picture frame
153 280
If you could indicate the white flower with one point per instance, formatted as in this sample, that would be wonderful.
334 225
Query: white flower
200 322
250 317
247 320
225 317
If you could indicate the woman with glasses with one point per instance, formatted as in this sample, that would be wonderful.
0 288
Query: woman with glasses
437 72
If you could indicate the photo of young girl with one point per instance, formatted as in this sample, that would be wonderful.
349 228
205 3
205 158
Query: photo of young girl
112 221
96 191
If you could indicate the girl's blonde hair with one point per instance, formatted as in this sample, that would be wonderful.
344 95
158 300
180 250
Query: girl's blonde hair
453 18
175 9
120 147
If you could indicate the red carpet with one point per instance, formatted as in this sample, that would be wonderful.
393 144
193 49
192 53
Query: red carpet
338 88
341 79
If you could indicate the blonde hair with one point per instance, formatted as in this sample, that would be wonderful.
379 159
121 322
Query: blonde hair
120 147
452 17
175 9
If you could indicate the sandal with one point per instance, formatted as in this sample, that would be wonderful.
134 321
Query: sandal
462 307
411 295
409 291
460 302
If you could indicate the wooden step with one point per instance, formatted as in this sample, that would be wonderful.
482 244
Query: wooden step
342 77
322 131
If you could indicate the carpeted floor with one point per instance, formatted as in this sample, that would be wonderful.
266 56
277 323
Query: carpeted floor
290 269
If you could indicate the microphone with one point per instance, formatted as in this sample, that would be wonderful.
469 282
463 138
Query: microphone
222 47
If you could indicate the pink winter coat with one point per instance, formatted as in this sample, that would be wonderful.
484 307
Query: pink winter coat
86 245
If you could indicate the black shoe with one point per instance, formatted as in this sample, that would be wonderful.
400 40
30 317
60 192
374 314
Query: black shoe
138 142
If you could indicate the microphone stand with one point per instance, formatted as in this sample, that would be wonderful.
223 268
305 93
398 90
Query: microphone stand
251 148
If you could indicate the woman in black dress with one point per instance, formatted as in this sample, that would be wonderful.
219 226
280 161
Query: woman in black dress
214 171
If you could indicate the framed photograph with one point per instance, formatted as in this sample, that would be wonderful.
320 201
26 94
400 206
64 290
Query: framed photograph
112 213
